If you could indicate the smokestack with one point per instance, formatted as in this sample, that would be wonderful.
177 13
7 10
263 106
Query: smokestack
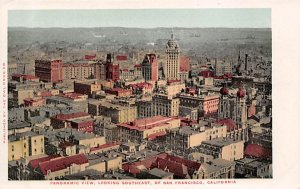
246 62
109 58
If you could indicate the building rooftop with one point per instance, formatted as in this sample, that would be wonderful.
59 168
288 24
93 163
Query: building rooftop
258 151
65 144
160 173
104 146
18 125
230 124
108 104
19 136
80 120
62 163
75 115
35 162
73 95
179 166
217 164
220 142
147 123
245 160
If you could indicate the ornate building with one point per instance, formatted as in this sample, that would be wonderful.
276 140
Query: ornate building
234 107
172 62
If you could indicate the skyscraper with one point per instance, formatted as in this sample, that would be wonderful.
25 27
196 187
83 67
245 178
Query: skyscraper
150 68
172 63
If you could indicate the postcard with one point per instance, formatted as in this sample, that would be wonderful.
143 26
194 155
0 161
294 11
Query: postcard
149 94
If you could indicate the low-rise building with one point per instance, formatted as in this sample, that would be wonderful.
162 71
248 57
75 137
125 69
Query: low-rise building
119 113
65 120
147 128
67 149
18 127
22 78
36 101
218 169
174 87
142 88
25 144
20 95
206 104
224 148
181 139
253 168
181 168
57 168
87 87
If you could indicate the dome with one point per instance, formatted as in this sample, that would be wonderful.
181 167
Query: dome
224 91
241 93
172 44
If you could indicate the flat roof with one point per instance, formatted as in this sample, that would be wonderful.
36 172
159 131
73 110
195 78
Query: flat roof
17 136
147 123
220 142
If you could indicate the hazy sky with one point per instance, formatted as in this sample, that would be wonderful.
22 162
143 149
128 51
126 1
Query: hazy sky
143 18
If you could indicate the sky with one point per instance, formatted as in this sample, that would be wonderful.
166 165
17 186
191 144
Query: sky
142 18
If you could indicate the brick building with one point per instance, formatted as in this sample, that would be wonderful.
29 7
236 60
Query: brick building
150 68
49 70
87 88
112 69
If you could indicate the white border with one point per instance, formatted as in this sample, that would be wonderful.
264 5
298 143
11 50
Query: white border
286 77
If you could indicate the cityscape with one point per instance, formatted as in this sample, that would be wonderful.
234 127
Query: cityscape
114 103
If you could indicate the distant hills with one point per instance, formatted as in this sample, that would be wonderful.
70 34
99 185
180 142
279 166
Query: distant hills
215 42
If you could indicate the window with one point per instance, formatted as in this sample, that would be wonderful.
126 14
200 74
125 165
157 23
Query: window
12 148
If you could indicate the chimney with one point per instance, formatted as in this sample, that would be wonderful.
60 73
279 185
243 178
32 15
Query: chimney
246 62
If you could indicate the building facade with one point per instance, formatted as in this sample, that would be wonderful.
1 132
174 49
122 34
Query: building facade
172 59
118 113
49 70
165 105
23 145
150 68
78 71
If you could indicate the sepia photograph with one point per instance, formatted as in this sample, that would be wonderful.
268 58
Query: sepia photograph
140 96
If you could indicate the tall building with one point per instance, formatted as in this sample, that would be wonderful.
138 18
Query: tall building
150 68
173 56
234 107
49 70
112 70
